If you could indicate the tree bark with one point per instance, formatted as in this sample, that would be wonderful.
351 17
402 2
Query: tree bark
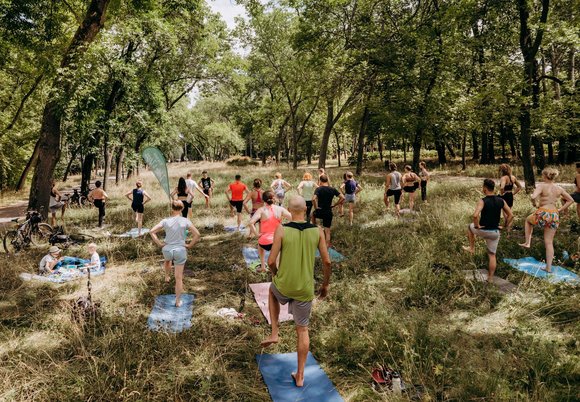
474 145
50 134
361 138
490 147
337 146
463 147
441 157
70 162
484 148
31 164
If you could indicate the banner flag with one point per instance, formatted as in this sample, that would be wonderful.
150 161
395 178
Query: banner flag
156 161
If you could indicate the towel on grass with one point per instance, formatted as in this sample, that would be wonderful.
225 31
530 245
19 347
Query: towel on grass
277 369
261 295
168 318
133 233
67 270
533 267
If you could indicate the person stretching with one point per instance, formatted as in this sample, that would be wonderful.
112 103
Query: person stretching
138 198
393 188
236 193
174 247
295 243
206 183
306 189
350 188
322 202
270 216
547 216
99 197
192 185
280 187
507 182
425 177
486 224
410 184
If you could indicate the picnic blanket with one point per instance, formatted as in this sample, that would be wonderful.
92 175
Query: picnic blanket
335 256
276 371
168 318
533 267
133 233
261 294
66 270
252 257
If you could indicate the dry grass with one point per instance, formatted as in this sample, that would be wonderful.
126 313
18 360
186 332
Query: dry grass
460 340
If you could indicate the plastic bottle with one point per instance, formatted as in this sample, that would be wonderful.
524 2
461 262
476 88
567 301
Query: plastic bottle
396 384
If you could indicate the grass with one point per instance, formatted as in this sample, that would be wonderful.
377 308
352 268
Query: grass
399 300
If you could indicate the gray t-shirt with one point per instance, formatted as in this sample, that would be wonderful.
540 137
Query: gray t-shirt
395 181
43 265
175 228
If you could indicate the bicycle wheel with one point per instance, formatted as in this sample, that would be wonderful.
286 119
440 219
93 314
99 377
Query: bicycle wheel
12 242
84 202
42 234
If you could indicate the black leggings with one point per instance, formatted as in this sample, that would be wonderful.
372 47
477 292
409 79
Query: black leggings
100 204
424 190
185 209
308 210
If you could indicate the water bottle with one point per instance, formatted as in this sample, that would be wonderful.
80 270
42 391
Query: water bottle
396 381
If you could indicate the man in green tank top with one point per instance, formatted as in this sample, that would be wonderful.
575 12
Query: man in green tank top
293 280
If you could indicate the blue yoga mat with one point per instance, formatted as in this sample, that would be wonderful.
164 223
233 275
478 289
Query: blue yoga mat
133 233
251 256
234 228
277 369
334 255
533 267
168 318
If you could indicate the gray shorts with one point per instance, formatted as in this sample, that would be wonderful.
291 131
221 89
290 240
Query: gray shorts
491 237
300 310
350 198
177 254
54 208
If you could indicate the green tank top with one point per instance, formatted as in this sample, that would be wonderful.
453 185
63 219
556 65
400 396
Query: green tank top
308 190
295 276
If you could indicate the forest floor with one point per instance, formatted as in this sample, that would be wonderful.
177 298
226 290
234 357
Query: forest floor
401 299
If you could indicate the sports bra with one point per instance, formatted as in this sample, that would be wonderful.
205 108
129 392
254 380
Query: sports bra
259 197
182 194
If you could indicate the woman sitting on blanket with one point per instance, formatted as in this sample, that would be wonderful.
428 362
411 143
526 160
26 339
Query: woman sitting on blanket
49 261
270 217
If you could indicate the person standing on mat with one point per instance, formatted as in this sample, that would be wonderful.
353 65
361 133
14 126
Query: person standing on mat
280 186
425 177
192 185
486 224
306 189
183 194
138 198
99 197
270 216
350 188
393 188
236 193
174 247
509 185
295 244
322 202
576 193
547 216
206 183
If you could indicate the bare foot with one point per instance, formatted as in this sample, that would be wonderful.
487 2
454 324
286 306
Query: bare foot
269 341
468 249
546 270
178 303
296 381
524 245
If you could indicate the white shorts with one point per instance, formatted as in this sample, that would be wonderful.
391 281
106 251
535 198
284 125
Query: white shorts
177 254
491 237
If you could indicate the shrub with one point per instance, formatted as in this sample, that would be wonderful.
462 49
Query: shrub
242 161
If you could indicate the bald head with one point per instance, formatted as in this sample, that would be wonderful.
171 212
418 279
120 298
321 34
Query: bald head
296 204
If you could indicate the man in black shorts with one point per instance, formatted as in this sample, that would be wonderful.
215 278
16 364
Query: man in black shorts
322 202
236 193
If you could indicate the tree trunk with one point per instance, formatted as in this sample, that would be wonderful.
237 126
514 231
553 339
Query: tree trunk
361 136
119 160
441 157
463 147
550 153
70 162
31 163
484 148
86 170
281 138
450 148
490 147
309 147
326 134
50 134
540 155
475 145
337 146
107 157
380 148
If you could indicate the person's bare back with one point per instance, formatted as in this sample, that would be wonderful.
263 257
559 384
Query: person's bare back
546 195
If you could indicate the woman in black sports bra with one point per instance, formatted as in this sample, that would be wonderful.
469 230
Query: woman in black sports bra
508 185
410 184
182 192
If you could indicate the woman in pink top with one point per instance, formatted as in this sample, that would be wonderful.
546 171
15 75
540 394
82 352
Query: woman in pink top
270 217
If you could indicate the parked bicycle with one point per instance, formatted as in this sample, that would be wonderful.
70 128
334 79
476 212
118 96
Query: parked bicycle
30 232
77 199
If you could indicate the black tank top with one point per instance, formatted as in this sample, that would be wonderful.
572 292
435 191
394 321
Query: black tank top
206 183
137 196
491 212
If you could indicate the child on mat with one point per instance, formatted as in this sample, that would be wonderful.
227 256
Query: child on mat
49 261
95 259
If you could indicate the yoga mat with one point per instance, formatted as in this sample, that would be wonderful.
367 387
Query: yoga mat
480 275
261 294
533 267
252 257
335 256
233 228
277 369
133 233
168 318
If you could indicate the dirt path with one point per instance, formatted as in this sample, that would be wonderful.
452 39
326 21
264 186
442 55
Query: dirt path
12 211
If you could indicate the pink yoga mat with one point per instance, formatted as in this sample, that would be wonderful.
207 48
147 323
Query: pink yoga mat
261 291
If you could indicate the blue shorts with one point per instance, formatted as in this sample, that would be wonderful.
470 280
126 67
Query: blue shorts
177 254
